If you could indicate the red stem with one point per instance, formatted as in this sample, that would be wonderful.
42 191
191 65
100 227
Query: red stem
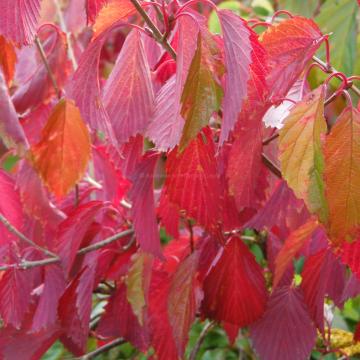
279 12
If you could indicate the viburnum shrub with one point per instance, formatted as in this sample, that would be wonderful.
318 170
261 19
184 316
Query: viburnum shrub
171 163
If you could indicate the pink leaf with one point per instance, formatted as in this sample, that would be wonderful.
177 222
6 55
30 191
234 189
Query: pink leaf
92 9
285 331
10 129
143 205
234 289
128 95
238 49
19 19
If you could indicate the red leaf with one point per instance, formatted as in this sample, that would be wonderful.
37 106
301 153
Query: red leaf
322 275
129 88
293 244
11 131
238 47
120 321
234 289
192 182
7 59
73 229
289 45
19 20
169 214
350 255
75 309
15 290
357 329
285 331
92 9
143 205
182 309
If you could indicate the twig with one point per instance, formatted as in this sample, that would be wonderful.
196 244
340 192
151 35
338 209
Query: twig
47 66
270 139
110 345
31 264
201 339
354 88
24 238
271 166
155 31
63 27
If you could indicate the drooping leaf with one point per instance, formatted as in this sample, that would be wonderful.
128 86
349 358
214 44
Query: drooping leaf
192 182
201 94
234 289
137 284
111 13
182 309
343 29
63 152
75 309
342 171
285 331
11 131
128 95
293 244
143 205
167 123
19 20
301 156
289 45
7 59
238 57
322 275
120 321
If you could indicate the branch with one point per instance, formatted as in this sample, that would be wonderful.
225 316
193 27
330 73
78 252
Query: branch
103 349
24 265
354 88
24 238
47 66
201 339
155 31
271 166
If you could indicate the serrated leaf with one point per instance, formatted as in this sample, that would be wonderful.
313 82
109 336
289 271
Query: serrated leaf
285 331
201 95
301 158
63 152
92 8
19 20
234 288
128 94
342 174
289 45
343 25
192 182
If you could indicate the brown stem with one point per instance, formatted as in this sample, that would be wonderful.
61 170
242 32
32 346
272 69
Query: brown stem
47 66
155 31
271 166
31 264
201 339
270 139
24 238
110 345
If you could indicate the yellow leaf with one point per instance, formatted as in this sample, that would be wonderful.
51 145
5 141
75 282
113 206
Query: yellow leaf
63 152
300 151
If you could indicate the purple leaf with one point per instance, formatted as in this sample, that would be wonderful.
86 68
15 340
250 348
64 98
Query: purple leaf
285 331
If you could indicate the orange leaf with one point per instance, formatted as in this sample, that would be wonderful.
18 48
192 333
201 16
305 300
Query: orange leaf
292 245
7 59
111 13
342 175
63 152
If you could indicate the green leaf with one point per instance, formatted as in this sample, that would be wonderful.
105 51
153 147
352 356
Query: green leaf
300 7
201 95
339 17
